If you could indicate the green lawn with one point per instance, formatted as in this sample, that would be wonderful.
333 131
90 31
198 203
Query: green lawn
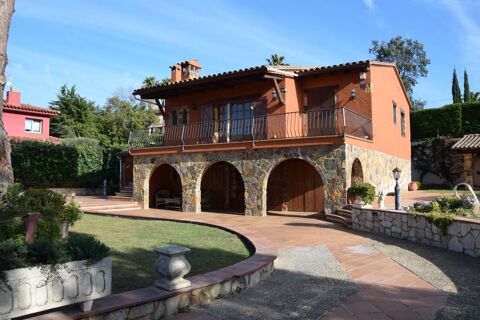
132 242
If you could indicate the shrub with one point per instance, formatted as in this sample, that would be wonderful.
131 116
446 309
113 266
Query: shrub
45 251
46 165
12 254
463 118
81 247
71 213
364 190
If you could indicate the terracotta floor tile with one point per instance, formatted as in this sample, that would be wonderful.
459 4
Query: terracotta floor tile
361 308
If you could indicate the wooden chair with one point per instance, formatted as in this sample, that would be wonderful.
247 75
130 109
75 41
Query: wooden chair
161 197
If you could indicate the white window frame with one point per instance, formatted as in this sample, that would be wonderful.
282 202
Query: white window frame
29 125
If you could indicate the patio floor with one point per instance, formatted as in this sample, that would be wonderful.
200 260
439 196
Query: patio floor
387 290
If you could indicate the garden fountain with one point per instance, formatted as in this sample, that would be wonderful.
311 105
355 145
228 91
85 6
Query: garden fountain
471 199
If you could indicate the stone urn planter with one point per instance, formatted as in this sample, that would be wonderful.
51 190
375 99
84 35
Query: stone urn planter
172 266
30 290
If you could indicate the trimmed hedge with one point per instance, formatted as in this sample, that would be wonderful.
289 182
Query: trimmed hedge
70 165
454 120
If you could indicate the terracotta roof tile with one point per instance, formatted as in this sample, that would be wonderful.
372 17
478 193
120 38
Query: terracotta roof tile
30 108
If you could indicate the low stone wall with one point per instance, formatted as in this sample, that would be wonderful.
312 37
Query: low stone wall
463 234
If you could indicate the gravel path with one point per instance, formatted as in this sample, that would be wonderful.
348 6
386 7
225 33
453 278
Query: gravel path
307 282
457 274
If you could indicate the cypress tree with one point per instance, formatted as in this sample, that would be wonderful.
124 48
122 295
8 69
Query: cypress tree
467 95
456 93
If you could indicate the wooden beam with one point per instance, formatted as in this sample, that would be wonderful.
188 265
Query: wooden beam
271 76
278 91
160 107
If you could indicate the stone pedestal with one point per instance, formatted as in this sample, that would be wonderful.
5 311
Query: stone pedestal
172 266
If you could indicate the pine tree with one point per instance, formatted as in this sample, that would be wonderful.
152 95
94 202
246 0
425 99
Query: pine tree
456 93
467 94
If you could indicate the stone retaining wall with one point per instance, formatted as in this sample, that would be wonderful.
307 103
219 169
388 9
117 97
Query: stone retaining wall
463 235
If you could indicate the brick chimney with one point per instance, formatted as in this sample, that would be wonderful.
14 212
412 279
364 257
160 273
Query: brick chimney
186 70
13 97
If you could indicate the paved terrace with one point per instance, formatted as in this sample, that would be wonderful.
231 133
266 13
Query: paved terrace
386 290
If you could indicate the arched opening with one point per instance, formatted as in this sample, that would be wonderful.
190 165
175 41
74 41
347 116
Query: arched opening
357 172
295 186
165 189
222 189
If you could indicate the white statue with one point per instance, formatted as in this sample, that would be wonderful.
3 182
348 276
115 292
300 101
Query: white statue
381 199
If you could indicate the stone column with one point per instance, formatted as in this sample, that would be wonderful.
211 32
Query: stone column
191 195
468 168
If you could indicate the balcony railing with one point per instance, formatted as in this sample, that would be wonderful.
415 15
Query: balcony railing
326 122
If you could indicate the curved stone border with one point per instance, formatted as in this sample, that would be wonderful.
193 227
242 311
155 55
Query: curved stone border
156 303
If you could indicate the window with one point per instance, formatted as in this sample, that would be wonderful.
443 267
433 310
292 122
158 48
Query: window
394 112
179 117
33 125
402 122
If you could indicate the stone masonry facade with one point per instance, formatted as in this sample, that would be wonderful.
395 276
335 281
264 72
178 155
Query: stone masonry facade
377 168
333 163
463 235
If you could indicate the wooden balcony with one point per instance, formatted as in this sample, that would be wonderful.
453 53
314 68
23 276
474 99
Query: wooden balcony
273 127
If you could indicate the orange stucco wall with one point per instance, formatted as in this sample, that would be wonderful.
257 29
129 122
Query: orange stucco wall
387 136
374 99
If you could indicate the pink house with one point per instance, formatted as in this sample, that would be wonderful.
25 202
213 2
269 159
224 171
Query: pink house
25 121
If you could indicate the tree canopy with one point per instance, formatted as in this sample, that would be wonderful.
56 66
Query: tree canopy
456 93
467 94
408 54
276 60
110 124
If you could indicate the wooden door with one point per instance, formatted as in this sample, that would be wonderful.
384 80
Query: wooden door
295 185
320 106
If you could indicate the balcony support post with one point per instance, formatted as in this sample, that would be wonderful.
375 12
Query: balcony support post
344 121
183 141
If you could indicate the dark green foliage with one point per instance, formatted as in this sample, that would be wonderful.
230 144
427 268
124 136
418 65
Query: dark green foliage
46 251
467 94
471 118
364 190
12 229
71 214
77 115
408 54
12 254
59 165
456 93
81 247
48 229
276 60
435 156
454 120
433 122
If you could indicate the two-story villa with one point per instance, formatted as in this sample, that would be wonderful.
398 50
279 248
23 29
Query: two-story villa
272 138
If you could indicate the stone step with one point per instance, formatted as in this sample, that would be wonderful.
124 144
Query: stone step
332 217
136 207
124 194
120 198
344 213
109 206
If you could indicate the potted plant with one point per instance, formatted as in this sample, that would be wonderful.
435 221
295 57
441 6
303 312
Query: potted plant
413 186
361 194
48 270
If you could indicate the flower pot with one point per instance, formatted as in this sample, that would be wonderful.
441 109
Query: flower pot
30 290
30 222
413 186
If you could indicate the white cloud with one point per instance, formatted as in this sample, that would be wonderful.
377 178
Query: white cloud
470 29
369 3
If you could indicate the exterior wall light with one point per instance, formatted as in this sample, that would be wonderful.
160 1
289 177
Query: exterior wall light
396 176
354 94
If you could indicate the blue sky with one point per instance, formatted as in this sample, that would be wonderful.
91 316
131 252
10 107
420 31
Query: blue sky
101 46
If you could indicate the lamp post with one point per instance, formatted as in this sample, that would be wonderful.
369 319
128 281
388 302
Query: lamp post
396 176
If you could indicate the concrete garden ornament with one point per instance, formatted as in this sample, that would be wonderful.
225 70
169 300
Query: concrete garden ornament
470 201
172 266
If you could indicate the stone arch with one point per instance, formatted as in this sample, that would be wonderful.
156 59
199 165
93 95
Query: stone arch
356 175
221 187
163 176
294 184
